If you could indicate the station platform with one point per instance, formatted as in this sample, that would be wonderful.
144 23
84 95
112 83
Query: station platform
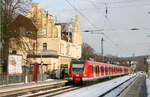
137 88
13 89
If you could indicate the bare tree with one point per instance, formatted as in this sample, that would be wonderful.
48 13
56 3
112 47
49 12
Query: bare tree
87 51
141 65
10 10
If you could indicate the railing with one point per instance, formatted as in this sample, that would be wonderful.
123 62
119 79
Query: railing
11 79
26 78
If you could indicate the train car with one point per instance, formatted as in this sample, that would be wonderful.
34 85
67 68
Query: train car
85 70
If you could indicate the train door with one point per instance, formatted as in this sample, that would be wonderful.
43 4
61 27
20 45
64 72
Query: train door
115 70
110 70
106 70
102 70
90 73
94 70
97 71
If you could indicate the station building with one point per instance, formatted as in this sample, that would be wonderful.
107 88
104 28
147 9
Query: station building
57 43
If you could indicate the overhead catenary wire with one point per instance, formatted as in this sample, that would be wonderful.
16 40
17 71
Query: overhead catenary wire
80 13
117 2
89 21
106 18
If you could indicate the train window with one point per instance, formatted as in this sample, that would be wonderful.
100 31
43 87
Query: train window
102 69
77 68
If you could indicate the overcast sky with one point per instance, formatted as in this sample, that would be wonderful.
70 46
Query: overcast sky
122 15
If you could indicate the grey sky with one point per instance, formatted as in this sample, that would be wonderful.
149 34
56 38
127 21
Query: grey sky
122 16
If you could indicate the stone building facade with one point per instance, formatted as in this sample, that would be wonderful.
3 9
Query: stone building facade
57 43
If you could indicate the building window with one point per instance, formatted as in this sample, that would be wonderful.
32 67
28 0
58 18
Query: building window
44 46
14 52
44 31
34 48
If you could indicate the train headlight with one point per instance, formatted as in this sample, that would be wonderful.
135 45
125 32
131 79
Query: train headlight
84 74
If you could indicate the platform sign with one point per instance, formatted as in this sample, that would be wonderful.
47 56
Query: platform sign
14 64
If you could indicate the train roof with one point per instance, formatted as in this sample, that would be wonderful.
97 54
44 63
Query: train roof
94 62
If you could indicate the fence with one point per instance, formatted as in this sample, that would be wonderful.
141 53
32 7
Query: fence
11 79
26 77
23 78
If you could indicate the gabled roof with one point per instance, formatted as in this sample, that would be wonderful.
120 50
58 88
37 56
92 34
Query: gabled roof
23 22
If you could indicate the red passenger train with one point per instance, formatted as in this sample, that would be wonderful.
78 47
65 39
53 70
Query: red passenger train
85 70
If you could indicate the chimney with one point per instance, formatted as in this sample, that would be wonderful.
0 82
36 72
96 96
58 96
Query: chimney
35 5
77 18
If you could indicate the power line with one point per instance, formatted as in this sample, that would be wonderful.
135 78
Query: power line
106 17
85 17
90 22
80 13
116 2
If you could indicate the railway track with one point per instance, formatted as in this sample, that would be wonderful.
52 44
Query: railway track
110 88
112 92
117 90
52 92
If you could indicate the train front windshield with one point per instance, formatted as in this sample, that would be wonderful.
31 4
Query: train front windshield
77 68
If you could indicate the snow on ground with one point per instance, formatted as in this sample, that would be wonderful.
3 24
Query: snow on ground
148 86
97 89
44 91
14 84
119 89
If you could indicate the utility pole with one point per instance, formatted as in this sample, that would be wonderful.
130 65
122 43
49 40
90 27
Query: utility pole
102 49
1 44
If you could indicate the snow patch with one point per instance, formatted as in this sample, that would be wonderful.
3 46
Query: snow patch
97 89
148 86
